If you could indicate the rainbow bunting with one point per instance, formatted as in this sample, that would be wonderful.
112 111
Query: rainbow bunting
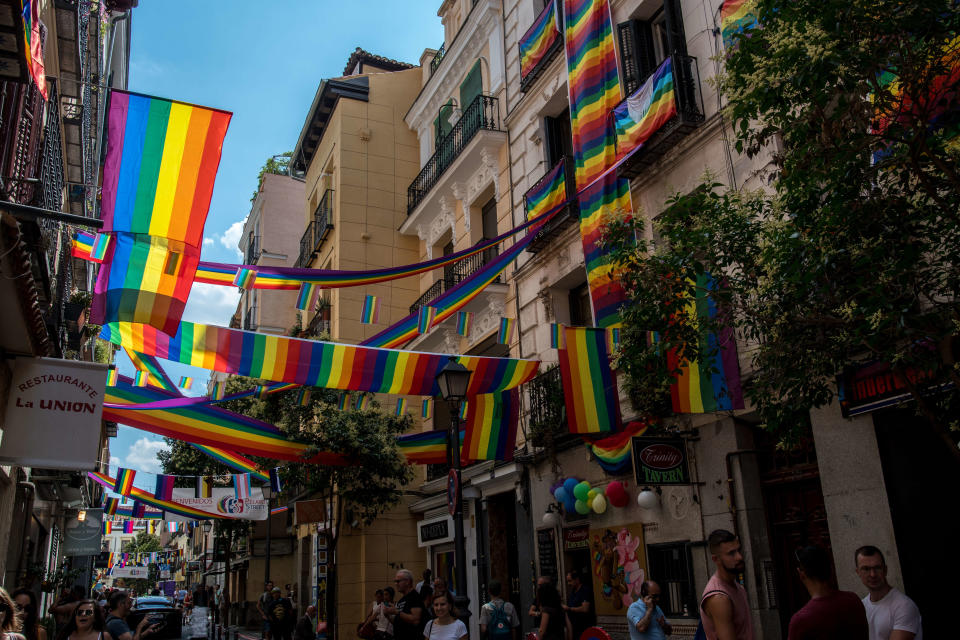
464 322
539 39
128 527
218 391
589 385
362 401
401 406
111 375
186 382
203 487
141 378
164 490
426 408
549 192
110 506
370 314
343 401
736 17
275 510
427 447
261 392
505 334
245 278
124 482
492 421
149 365
233 460
303 397
307 297
556 336
713 383
426 318
33 50
316 363
107 530
613 452
613 339
98 252
646 111
241 486
81 245
145 497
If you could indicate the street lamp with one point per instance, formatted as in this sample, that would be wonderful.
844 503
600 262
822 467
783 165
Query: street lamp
453 380
268 496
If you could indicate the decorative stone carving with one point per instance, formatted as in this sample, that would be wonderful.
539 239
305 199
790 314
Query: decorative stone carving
460 193
563 260
487 319
546 299
677 502
450 343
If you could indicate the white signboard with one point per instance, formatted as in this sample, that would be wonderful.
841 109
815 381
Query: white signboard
222 502
131 572
53 414
82 537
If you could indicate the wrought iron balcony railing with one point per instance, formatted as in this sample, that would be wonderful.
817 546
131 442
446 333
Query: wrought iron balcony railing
430 294
455 274
253 250
481 114
550 47
548 413
437 59
563 219
317 230
689 116
250 320
320 323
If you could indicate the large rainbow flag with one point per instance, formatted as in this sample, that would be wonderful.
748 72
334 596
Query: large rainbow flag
539 38
33 51
613 453
549 193
646 111
736 16
589 384
427 447
492 420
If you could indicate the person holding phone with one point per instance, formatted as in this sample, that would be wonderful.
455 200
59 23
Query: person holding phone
646 618
119 605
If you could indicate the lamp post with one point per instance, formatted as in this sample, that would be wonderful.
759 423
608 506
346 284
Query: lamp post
268 494
453 381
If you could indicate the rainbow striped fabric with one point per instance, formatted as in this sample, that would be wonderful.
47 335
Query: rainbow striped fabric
505 333
81 245
401 408
261 391
557 339
549 193
589 384
160 165
538 39
147 498
613 339
140 379
164 489
186 383
594 89
152 369
233 460
98 252
492 420
425 318
646 111
712 384
124 481
218 391
427 447
303 397
128 527
736 17
426 408
111 376
613 452
363 400
307 297
33 51
110 506
245 278
107 529
464 323
464 407
343 401
370 312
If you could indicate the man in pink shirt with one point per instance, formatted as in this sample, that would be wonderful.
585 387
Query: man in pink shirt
725 611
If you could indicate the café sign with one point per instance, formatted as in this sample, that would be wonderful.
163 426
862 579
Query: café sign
660 461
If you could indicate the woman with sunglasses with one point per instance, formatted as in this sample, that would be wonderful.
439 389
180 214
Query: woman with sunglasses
26 602
444 626
9 618
85 624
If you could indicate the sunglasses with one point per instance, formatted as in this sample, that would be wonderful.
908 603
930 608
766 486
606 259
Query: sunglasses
83 613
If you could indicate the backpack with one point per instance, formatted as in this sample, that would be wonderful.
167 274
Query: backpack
499 627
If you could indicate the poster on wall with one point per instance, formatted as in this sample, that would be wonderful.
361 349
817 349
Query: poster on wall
618 564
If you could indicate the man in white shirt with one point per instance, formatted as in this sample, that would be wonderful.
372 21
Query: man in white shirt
890 614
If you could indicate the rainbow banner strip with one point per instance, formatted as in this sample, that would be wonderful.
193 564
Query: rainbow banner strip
233 460
539 38
307 297
589 385
245 278
370 313
492 420
167 506
401 407
160 165
646 111
426 408
505 333
427 447
464 323
736 17
150 367
613 452
713 383
549 193
124 482
315 363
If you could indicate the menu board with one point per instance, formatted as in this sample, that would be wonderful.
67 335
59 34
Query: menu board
547 553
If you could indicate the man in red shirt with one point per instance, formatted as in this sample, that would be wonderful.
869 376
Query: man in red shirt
830 614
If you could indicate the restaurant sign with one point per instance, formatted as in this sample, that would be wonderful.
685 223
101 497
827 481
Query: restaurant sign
660 461
876 386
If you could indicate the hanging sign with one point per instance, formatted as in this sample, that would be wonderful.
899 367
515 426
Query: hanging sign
660 461
131 572
82 537
223 502
435 531
576 538
875 386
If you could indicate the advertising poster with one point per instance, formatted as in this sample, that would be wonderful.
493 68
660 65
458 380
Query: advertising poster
618 563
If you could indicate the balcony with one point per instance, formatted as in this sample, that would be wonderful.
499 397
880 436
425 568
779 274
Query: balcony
540 50
437 59
250 320
483 114
454 275
563 219
253 250
317 231
548 412
320 323
689 116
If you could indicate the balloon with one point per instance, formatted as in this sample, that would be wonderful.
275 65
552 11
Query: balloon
613 488
599 504
570 505
560 494
594 492
582 490
569 484
582 508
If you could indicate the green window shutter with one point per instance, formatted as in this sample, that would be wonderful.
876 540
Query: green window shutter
441 125
471 87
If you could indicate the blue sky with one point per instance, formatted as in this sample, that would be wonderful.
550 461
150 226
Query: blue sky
263 62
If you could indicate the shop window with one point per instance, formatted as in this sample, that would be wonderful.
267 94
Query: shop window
644 44
581 314
559 139
669 566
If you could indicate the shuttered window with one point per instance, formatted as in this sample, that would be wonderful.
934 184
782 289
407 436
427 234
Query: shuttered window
640 53
471 87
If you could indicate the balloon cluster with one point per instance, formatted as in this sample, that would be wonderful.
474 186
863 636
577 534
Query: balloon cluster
580 497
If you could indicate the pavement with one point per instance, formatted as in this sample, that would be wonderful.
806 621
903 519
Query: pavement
198 624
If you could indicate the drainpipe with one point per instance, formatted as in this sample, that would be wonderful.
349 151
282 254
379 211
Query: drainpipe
28 509
731 488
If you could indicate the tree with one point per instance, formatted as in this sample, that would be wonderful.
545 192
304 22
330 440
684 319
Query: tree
854 255
279 164
144 542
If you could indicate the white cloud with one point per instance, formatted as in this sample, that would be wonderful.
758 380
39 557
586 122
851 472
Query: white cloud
208 242
142 455
211 304
231 237
114 463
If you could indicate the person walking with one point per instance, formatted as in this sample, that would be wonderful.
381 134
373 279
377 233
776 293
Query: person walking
830 614
217 596
306 628
645 617
280 613
553 621
425 581
87 623
891 615
444 626
498 618
579 607
408 613
384 629
26 602
265 598
724 609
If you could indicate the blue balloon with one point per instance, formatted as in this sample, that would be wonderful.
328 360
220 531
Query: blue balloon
570 505
569 484
560 494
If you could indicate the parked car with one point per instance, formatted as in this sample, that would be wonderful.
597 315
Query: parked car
162 611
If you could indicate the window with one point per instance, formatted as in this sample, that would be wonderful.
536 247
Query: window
471 87
488 224
644 44
669 566
581 314
559 138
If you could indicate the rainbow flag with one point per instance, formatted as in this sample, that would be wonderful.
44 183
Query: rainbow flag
736 17
401 406
492 420
426 318
464 322
128 526
539 39
427 447
111 375
426 408
219 391
245 278
646 111
601 201
505 334
32 50
613 452
81 245
711 384
110 506
589 385
164 490
145 497
261 392
98 252
463 409
343 401
186 382
549 192
151 366
241 486
362 401
233 460
370 313
124 482
557 340
307 298
303 397
107 530
613 339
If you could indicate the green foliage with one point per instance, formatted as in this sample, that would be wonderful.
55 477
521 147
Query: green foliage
279 165
854 255
143 543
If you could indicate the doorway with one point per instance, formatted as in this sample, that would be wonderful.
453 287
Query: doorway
503 560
